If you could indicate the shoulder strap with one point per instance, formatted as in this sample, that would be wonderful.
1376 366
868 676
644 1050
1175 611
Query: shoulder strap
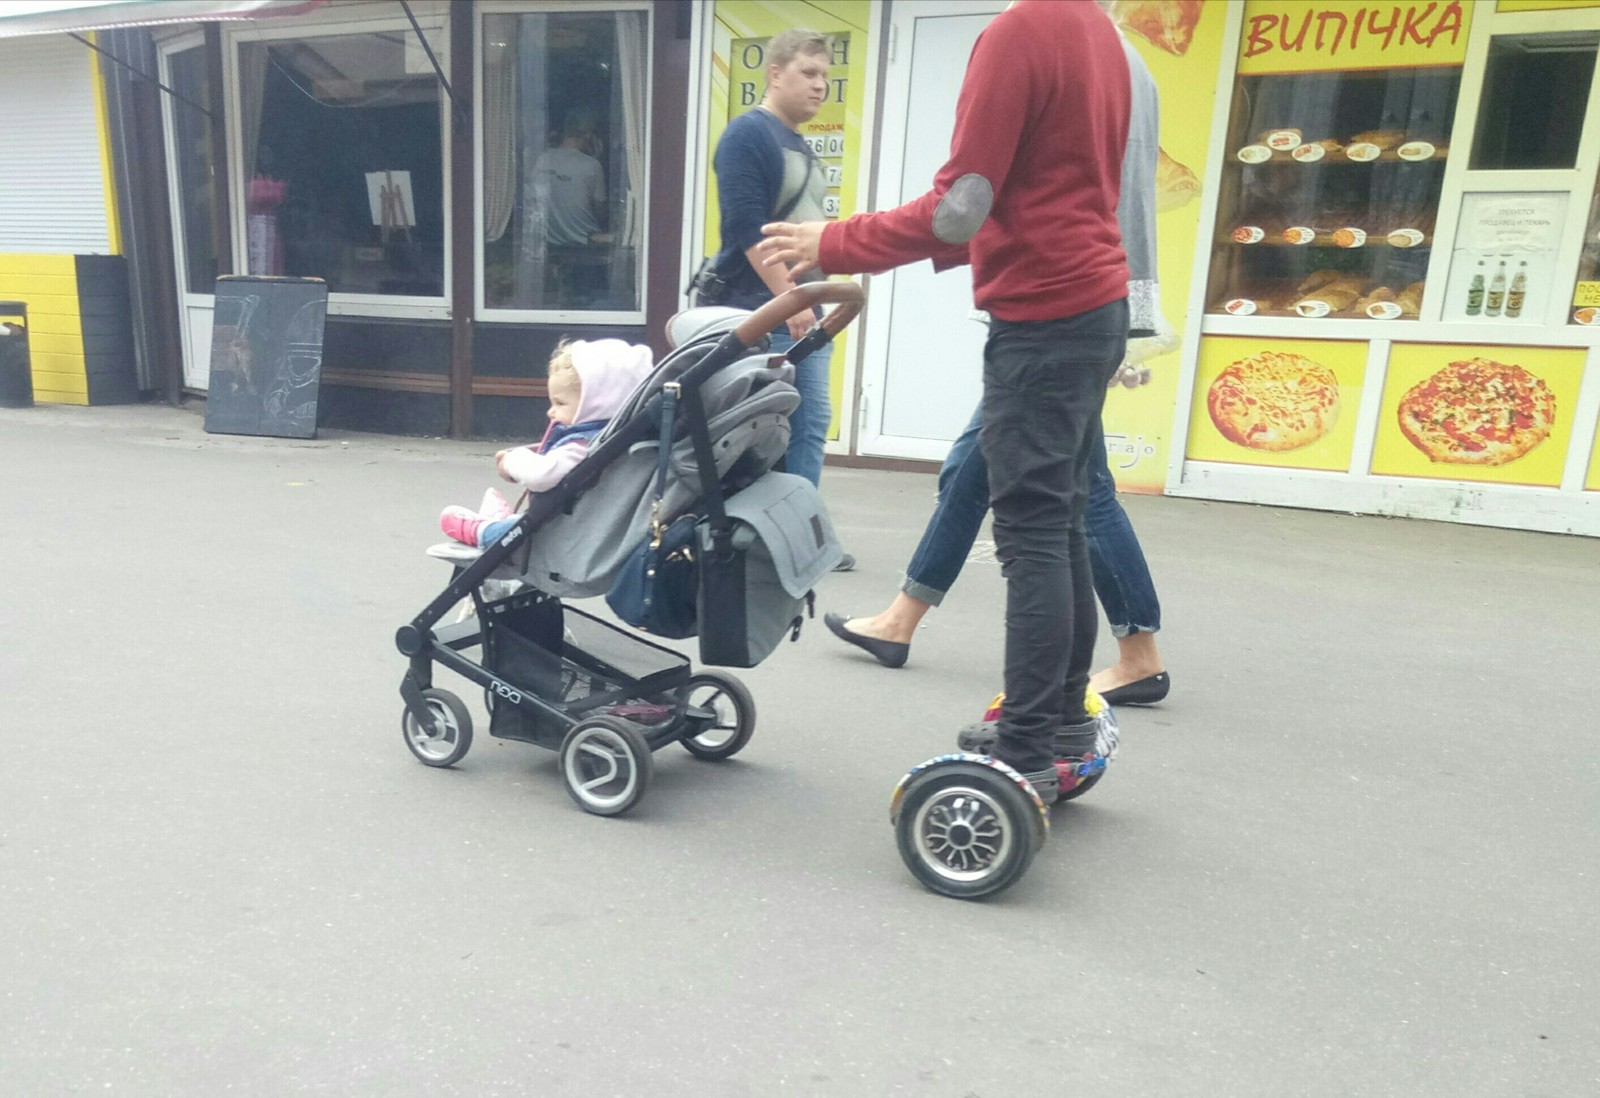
788 207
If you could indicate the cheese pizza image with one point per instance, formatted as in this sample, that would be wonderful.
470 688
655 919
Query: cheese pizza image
1477 412
1273 401
1165 24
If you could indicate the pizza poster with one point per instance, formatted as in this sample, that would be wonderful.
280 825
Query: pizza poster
1462 412
1181 43
1289 403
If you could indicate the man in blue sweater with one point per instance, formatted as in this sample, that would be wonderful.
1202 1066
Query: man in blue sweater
765 172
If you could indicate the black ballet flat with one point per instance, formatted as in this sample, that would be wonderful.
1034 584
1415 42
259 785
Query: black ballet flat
888 653
1146 691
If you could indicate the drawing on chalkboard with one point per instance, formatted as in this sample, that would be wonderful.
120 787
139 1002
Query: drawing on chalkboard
232 363
294 389
266 356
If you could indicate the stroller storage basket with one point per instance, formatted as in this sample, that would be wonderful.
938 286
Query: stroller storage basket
569 659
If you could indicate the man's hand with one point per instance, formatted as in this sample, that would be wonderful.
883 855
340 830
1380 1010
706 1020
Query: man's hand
800 324
791 244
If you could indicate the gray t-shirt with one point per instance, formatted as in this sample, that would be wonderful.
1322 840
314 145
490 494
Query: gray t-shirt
571 186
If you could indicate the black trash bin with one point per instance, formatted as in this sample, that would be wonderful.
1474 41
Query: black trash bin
16 367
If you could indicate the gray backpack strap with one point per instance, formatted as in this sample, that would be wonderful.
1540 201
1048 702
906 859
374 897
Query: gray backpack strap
787 208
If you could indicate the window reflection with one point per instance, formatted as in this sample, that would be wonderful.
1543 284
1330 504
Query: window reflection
343 168
564 160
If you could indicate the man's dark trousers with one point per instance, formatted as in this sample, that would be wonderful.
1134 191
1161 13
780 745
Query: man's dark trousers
1044 384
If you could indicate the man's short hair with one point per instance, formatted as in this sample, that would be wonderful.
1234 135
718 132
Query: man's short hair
785 46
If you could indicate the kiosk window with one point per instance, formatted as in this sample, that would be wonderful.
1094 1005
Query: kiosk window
1535 90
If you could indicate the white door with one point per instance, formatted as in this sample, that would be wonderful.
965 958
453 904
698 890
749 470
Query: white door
191 183
923 371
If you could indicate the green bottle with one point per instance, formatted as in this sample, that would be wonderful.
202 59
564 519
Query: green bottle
1475 292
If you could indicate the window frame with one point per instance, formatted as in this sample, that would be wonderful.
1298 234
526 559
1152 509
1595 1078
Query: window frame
335 24
565 317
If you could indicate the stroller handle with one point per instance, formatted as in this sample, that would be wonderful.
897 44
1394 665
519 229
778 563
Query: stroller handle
849 296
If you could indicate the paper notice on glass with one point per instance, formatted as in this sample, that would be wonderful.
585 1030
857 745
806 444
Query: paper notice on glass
1504 255
389 196
1520 222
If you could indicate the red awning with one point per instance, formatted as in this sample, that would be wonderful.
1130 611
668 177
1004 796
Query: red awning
24 17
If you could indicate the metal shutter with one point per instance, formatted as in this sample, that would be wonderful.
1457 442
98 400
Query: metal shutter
52 192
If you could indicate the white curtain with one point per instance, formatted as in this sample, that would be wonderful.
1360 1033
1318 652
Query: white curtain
499 125
632 63
534 114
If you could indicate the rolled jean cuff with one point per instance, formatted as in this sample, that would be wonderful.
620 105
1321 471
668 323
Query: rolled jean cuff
922 592
1121 631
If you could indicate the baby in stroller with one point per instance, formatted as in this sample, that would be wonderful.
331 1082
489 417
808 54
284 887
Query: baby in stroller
589 382
694 438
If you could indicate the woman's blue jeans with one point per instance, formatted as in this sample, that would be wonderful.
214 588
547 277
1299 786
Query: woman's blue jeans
1121 577
808 423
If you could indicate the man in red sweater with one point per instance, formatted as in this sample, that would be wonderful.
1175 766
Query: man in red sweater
1029 198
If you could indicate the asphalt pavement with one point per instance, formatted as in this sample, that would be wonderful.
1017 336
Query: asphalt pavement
1354 854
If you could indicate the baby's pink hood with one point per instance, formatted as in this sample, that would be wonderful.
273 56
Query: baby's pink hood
610 370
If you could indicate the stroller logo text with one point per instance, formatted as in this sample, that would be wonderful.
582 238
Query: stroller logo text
506 692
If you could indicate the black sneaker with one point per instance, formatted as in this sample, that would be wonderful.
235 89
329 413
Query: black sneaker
1096 736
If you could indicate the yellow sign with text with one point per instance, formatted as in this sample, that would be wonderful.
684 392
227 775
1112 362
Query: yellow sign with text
1183 51
1283 371
1587 295
1281 36
1456 455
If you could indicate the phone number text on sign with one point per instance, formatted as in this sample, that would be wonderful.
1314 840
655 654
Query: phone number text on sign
826 144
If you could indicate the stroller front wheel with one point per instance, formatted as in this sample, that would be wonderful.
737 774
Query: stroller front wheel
606 765
735 720
448 741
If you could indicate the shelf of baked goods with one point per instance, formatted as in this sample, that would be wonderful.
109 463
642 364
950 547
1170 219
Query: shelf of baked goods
1287 146
1306 236
1337 295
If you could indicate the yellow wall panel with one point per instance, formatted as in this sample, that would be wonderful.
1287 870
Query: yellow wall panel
17 263
24 285
49 286
49 382
46 362
53 343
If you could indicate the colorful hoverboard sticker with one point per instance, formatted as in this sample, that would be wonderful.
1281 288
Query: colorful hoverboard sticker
990 761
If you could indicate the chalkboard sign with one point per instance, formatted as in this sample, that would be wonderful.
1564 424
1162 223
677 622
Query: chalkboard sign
266 356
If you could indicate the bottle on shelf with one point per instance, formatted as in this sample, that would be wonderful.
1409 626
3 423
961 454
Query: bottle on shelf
1519 290
1497 292
1475 292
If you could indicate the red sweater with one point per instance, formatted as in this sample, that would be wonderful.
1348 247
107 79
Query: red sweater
1043 117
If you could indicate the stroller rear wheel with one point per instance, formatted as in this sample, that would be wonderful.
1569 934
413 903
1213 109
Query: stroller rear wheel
606 765
735 713
967 825
449 740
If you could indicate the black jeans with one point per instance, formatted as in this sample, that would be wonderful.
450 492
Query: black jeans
1044 384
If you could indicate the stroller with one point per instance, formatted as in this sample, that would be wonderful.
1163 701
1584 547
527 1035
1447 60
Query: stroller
604 697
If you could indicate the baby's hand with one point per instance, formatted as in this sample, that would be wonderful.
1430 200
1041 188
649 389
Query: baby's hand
500 464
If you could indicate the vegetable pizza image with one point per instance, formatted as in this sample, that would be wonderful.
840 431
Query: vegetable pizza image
1478 412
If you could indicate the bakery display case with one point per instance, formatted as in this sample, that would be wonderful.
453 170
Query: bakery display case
1329 193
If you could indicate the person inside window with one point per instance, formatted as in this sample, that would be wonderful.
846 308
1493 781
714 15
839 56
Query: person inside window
571 186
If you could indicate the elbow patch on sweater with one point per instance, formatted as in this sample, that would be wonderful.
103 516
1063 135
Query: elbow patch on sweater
963 209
